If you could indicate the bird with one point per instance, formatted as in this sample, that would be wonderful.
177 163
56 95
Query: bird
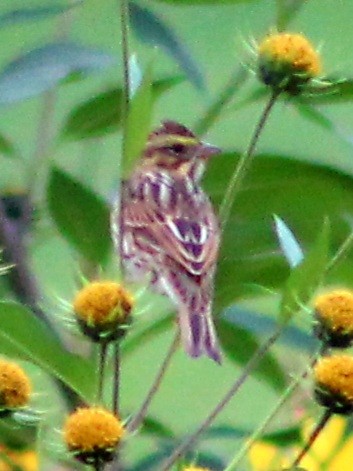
164 227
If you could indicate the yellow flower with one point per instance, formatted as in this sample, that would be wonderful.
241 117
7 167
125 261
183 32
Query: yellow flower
92 434
195 468
330 451
15 386
287 61
27 460
334 314
333 377
102 309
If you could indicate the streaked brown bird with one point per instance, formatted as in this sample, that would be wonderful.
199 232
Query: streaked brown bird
167 228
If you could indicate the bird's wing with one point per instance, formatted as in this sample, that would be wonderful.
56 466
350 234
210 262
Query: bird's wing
178 223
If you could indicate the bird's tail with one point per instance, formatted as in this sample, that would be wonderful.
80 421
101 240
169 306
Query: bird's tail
197 330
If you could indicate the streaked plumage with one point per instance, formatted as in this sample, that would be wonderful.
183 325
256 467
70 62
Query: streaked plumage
168 229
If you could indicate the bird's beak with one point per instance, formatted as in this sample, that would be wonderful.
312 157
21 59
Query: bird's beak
207 150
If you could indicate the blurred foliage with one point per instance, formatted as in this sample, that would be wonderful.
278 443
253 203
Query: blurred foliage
61 98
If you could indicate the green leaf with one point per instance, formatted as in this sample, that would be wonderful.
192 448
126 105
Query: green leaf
138 123
288 243
250 257
101 115
22 15
80 215
152 30
152 426
309 112
43 68
239 346
263 325
306 277
24 336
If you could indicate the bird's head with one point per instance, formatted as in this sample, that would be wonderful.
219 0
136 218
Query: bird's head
172 146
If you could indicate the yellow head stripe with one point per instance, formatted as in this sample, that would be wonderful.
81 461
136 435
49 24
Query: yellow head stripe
170 139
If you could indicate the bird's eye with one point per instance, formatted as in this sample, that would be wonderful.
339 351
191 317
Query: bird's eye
177 148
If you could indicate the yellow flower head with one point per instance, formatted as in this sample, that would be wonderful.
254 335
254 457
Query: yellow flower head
334 313
27 460
333 377
15 386
92 434
195 468
287 61
103 309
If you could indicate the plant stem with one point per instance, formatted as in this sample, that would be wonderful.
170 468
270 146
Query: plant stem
245 162
260 430
315 433
116 379
224 97
252 363
341 252
140 415
124 22
103 348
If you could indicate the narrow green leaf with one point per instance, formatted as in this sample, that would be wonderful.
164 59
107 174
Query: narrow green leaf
22 15
101 115
24 336
239 346
152 30
289 244
306 277
80 215
152 426
309 112
333 92
138 123
43 68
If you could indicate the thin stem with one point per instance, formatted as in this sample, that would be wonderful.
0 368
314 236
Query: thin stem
103 348
116 379
245 162
251 365
315 433
215 109
261 429
140 415
98 466
124 22
341 252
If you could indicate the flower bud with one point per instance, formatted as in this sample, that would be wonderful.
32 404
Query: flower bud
333 376
92 434
334 316
15 387
286 62
103 310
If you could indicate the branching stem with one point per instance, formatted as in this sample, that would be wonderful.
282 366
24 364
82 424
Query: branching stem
251 365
